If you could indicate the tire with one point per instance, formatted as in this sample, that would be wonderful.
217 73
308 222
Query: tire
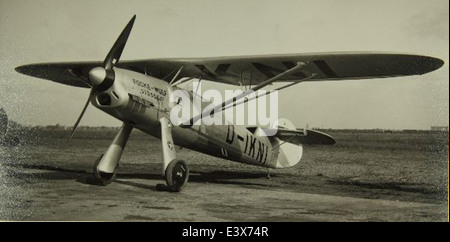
177 175
102 178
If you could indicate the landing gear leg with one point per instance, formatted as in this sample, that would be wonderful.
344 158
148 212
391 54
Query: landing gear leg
175 171
105 166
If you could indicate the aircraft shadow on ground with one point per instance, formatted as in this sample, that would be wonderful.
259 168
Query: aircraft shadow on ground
215 177
85 177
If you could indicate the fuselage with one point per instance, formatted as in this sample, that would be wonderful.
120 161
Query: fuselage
142 100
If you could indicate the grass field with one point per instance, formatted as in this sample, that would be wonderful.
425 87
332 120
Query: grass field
405 166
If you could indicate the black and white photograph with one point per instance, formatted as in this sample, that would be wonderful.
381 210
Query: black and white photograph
224 111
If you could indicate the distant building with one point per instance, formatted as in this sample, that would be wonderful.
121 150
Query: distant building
3 123
439 128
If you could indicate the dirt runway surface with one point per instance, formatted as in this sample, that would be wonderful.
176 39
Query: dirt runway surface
53 182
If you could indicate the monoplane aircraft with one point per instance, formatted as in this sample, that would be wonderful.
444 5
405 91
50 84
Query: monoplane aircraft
137 92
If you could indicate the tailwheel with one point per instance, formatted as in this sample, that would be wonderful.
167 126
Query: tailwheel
102 178
177 175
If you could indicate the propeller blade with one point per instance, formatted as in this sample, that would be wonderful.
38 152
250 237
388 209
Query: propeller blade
81 115
100 78
116 51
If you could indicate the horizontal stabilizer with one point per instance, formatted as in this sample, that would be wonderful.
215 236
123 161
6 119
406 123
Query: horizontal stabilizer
311 137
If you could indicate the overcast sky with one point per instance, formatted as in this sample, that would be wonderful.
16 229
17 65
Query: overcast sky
50 31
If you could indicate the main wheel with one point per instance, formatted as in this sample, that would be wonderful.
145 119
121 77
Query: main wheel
177 175
102 178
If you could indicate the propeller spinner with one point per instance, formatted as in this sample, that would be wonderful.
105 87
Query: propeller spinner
102 78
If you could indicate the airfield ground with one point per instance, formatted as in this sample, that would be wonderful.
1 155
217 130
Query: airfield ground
366 176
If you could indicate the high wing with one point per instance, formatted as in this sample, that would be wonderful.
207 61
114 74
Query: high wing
252 70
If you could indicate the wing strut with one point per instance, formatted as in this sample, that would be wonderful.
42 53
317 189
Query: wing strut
175 77
271 91
210 111
181 81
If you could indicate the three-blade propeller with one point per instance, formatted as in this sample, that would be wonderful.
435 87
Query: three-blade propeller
102 78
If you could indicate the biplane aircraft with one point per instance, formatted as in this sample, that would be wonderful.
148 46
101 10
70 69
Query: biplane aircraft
116 88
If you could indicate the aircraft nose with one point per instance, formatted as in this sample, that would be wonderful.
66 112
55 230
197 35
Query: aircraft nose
97 75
